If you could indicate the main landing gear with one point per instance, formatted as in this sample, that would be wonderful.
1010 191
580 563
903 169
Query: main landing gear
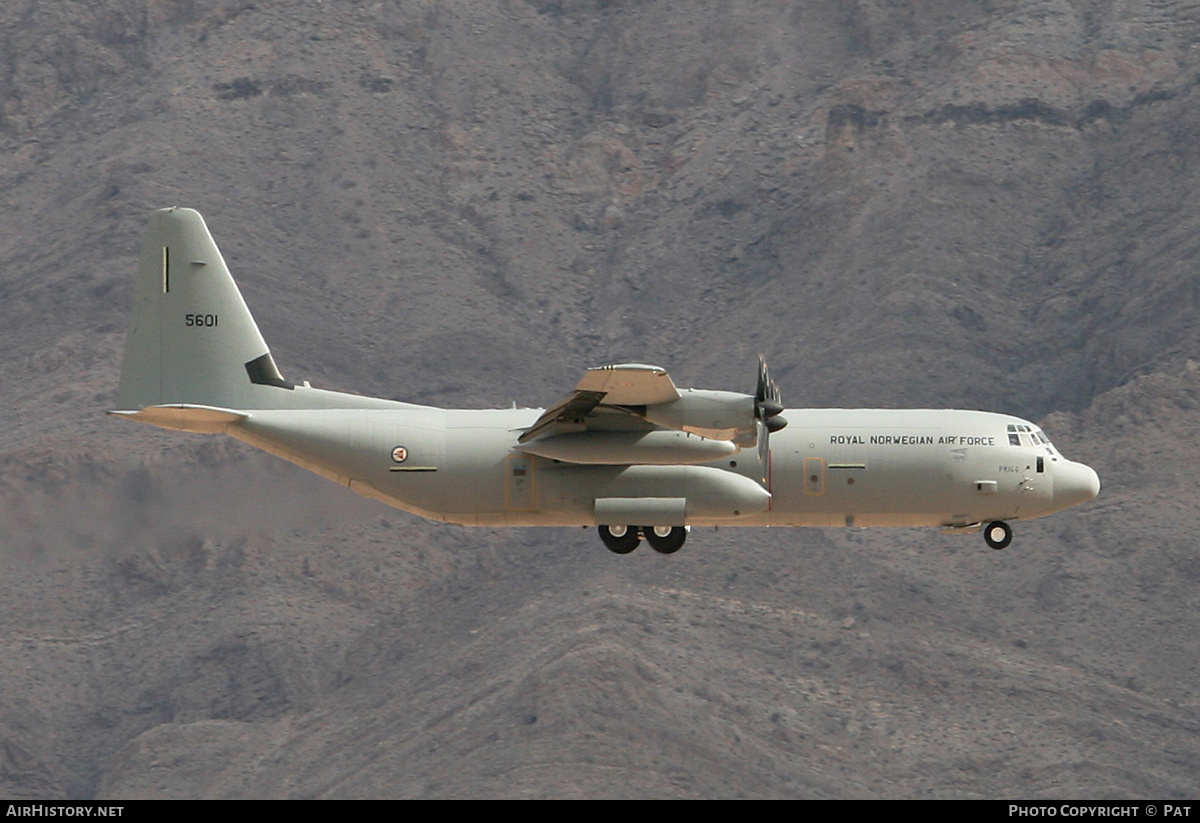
624 539
997 534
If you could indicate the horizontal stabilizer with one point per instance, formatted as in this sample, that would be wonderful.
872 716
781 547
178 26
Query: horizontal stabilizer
184 417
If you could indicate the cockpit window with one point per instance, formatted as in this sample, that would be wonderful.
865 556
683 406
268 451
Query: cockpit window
1023 434
1020 434
1040 438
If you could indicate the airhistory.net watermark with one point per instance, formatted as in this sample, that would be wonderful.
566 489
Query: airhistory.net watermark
47 810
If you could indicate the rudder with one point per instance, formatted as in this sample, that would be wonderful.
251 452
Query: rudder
192 339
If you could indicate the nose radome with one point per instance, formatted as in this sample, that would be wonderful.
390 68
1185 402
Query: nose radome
1074 483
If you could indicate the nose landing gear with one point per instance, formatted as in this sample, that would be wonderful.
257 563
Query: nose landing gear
997 534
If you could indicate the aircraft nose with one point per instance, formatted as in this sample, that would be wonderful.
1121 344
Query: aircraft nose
1074 483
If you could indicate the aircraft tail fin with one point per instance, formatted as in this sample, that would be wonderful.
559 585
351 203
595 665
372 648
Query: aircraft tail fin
192 339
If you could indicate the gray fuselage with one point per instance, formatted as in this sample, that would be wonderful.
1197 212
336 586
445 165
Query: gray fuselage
830 467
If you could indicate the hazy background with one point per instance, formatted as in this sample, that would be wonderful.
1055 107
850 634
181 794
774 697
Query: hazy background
939 203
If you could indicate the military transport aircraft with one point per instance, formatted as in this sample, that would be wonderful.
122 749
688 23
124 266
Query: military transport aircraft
626 450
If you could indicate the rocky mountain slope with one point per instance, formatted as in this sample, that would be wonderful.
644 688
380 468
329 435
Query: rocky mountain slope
982 204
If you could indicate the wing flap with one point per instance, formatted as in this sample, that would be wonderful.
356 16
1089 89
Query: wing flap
568 412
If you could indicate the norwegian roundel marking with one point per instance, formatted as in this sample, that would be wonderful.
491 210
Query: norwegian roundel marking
399 454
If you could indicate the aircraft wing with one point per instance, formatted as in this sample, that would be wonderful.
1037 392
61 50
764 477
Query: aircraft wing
623 385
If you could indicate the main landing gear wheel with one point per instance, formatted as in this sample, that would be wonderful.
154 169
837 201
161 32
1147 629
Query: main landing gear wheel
998 534
620 539
665 539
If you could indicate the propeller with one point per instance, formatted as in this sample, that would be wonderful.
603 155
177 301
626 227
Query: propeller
767 406
767 402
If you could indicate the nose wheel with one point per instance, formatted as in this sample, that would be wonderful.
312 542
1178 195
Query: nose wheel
997 534
624 539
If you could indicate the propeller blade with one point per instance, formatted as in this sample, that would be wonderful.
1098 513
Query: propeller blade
768 402
764 455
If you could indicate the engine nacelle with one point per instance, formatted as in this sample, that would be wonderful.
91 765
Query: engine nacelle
720 415
615 448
